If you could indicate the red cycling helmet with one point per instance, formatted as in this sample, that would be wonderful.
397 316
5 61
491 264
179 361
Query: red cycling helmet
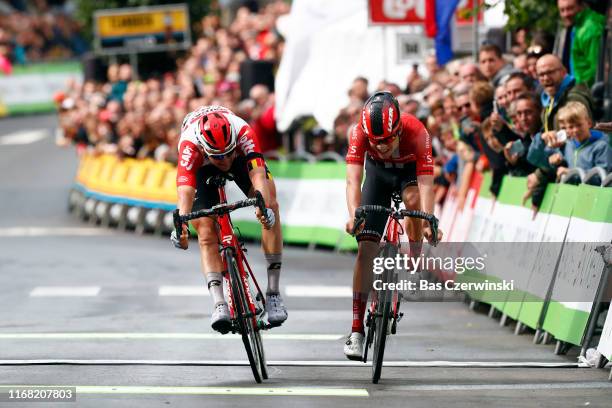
216 134
380 116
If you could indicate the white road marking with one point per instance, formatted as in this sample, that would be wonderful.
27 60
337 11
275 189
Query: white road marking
24 137
70 291
267 391
318 291
52 231
198 290
289 363
489 387
170 336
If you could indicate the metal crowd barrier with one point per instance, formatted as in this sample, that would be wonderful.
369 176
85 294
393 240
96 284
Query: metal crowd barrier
597 176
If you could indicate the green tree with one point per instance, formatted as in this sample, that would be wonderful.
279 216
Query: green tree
86 8
532 14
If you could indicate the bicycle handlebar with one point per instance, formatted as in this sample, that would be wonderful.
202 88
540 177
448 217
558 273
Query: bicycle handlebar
218 209
362 212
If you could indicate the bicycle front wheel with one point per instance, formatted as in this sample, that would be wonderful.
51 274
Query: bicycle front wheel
382 317
381 323
245 320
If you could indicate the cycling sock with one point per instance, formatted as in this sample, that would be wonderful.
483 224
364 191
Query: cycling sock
215 286
360 301
274 262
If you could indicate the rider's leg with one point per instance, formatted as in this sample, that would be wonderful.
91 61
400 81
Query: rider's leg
272 243
362 281
272 247
212 267
209 251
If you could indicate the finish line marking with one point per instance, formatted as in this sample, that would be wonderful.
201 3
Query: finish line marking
490 387
177 336
75 291
268 391
287 363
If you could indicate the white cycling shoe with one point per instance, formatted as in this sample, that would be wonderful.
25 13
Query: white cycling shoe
275 309
353 348
220 318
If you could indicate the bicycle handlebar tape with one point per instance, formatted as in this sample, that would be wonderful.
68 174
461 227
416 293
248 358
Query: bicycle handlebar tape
177 222
259 202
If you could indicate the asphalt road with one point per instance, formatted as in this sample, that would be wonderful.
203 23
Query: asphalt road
123 318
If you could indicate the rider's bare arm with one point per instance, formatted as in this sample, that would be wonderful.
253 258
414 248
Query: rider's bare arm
426 193
354 175
258 179
185 198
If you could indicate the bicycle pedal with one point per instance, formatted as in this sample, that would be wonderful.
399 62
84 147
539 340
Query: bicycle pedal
399 317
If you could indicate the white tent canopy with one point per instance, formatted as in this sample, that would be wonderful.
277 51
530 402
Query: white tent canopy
329 43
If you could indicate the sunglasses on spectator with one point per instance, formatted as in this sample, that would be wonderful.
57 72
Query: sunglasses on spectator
465 106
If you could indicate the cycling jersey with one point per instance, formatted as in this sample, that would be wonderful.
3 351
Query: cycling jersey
191 152
414 146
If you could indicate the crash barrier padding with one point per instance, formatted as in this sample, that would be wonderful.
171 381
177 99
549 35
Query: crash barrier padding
311 196
579 273
546 274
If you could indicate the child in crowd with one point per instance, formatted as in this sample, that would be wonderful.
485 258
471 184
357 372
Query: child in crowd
585 147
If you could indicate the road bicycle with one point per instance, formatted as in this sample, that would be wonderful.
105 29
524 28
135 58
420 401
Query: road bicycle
383 313
246 301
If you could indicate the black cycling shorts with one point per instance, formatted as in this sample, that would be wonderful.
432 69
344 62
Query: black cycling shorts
207 196
380 183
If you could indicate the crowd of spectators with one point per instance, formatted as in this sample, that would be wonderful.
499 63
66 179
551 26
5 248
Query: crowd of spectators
142 118
36 31
529 113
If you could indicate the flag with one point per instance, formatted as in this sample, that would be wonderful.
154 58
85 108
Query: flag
430 18
445 10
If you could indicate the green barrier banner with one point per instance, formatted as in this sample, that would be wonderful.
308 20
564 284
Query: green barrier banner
312 202
580 267
30 88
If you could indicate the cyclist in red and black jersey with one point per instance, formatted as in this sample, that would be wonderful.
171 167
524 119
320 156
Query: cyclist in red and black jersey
396 149
213 141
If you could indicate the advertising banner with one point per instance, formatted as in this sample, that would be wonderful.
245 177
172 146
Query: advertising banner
143 29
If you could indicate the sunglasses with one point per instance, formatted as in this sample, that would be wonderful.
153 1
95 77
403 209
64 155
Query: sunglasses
384 141
221 156
465 106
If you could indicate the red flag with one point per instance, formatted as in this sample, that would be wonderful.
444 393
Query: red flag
431 28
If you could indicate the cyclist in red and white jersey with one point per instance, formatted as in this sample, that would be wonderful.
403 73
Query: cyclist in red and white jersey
396 149
215 141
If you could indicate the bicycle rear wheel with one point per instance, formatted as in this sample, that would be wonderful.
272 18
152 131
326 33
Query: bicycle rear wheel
250 334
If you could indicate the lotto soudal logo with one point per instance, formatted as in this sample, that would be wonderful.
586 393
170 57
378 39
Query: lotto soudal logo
390 121
246 144
183 179
186 157
363 122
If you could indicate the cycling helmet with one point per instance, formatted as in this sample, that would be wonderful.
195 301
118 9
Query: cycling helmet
216 136
380 116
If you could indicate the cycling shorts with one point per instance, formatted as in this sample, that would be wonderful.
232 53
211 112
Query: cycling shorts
207 196
381 180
